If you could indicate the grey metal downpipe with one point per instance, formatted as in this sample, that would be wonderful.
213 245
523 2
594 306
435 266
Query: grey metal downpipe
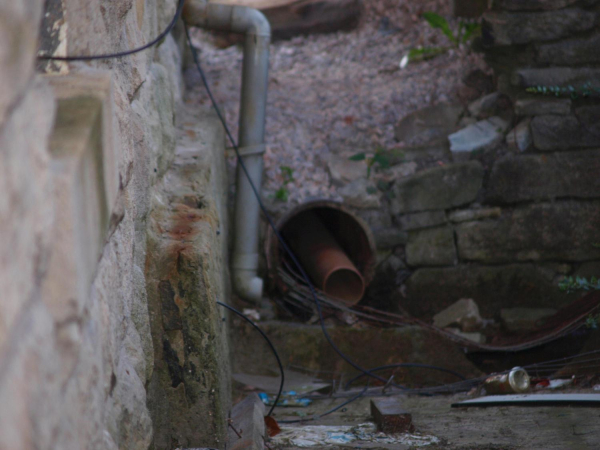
251 138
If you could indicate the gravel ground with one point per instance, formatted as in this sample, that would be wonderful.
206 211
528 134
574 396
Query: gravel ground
339 93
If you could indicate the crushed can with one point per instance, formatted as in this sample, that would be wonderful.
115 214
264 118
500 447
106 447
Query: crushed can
514 382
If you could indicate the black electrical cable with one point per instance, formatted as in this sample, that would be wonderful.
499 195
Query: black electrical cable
154 41
272 224
407 365
243 316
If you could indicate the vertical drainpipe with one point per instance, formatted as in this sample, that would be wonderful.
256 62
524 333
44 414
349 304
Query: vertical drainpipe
251 138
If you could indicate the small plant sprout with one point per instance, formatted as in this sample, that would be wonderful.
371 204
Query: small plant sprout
380 158
466 30
287 173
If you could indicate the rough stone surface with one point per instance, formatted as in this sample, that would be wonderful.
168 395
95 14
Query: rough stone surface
481 135
186 273
361 194
305 346
537 177
428 124
75 347
438 188
247 419
425 219
569 52
508 28
479 338
578 78
520 136
464 313
525 319
534 5
342 170
537 106
390 417
431 247
560 231
564 132
484 106
386 238
467 215
430 290
469 8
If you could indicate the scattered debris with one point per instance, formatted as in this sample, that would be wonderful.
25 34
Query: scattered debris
533 400
472 336
289 398
390 417
480 136
272 426
252 314
321 435
246 424
464 313
294 381
515 381
557 383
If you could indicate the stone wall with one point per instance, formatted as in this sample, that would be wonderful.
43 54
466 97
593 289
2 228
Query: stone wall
83 147
497 199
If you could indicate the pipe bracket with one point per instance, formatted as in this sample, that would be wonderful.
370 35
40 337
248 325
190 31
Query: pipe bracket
250 150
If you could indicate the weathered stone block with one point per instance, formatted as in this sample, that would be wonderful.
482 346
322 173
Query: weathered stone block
577 78
534 5
431 247
561 231
390 417
533 177
508 28
429 124
520 136
247 419
571 52
186 273
386 238
525 319
481 135
485 106
467 215
580 130
464 313
343 171
537 106
430 290
17 59
438 188
425 219
80 196
361 194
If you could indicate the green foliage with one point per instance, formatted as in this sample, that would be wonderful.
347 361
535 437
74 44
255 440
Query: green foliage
380 159
466 30
573 284
287 173
585 91
437 21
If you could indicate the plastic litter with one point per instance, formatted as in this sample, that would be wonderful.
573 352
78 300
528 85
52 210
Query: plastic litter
288 398
322 435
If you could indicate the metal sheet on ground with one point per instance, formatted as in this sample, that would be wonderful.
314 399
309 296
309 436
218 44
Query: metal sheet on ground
533 400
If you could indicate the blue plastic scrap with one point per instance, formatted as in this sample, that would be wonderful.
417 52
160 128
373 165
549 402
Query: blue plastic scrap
287 399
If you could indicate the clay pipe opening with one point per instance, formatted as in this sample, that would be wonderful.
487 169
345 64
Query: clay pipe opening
324 259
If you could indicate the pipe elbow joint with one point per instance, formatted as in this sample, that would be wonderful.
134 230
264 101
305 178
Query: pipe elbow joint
239 19
248 285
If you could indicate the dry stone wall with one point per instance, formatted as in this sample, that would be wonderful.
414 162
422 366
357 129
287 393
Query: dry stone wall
498 199
83 147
